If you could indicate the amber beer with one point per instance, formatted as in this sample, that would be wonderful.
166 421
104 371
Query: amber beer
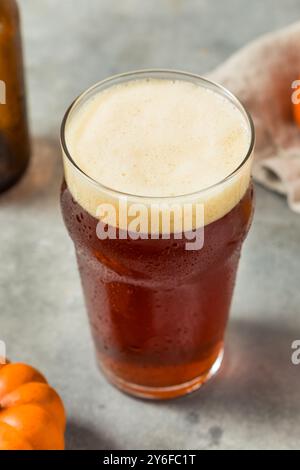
157 310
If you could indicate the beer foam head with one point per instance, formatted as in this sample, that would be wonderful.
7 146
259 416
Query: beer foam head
158 138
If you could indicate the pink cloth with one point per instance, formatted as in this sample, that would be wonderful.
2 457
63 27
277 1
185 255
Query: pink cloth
261 75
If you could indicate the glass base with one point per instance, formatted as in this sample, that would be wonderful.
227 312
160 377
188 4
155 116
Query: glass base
164 393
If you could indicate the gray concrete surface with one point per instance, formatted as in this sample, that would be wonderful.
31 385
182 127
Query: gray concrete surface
254 402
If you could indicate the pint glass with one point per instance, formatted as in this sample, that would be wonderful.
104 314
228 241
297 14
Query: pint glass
157 308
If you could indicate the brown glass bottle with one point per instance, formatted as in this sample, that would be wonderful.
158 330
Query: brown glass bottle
14 137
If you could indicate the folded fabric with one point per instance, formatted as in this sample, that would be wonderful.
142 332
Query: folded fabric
261 75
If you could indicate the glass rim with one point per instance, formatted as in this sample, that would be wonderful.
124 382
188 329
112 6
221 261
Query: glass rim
151 73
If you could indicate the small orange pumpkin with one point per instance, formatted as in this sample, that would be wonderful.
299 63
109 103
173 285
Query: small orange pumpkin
32 415
296 107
